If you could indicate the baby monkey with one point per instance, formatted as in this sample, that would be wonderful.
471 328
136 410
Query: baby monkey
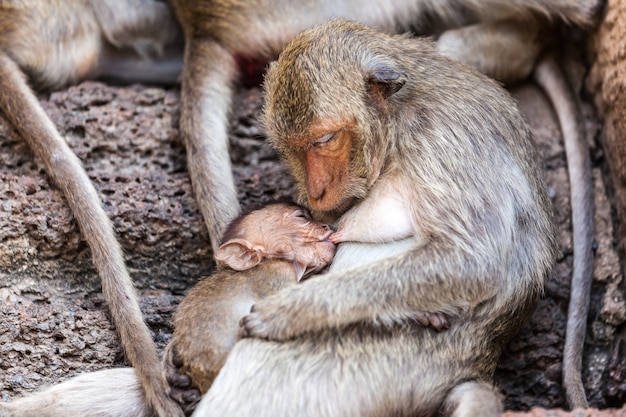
263 252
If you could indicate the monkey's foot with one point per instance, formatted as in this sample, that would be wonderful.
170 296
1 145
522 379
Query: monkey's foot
180 385
437 321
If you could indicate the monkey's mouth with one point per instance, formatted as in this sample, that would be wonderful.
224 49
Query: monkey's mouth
326 242
326 238
327 235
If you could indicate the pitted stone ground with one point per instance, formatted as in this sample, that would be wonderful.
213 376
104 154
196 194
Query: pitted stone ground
54 323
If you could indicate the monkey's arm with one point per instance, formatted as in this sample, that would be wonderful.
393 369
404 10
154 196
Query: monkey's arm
208 74
429 279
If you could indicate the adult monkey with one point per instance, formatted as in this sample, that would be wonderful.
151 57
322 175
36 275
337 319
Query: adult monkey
349 108
503 39
34 39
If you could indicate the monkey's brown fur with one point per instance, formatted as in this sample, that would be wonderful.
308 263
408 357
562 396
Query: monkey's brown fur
465 153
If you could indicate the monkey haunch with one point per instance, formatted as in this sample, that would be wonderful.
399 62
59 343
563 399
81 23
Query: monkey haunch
350 108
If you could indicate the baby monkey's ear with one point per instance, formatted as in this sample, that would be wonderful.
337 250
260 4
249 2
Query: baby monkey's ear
240 254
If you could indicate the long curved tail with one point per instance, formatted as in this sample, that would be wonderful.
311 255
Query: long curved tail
109 393
549 76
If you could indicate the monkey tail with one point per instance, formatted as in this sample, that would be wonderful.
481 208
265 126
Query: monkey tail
21 107
109 393
550 77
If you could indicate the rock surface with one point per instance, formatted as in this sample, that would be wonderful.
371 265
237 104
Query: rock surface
607 85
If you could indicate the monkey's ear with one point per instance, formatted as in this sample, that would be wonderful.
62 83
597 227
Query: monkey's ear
239 254
383 82
301 270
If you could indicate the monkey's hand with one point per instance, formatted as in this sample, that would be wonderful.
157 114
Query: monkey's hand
262 324
278 317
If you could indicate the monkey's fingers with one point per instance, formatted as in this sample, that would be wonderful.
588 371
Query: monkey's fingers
247 326
421 319
178 380
181 390
438 321
336 237
435 320
186 398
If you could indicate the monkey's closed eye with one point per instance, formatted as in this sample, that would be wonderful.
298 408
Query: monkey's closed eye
302 214
325 139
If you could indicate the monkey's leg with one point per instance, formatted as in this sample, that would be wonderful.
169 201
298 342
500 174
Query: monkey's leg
356 374
206 94
471 399
123 67
506 50
582 13
144 42
21 107
146 26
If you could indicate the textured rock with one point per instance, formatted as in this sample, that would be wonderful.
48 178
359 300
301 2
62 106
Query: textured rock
607 85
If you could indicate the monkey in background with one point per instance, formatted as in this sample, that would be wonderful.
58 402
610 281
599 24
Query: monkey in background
343 343
224 36
60 42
